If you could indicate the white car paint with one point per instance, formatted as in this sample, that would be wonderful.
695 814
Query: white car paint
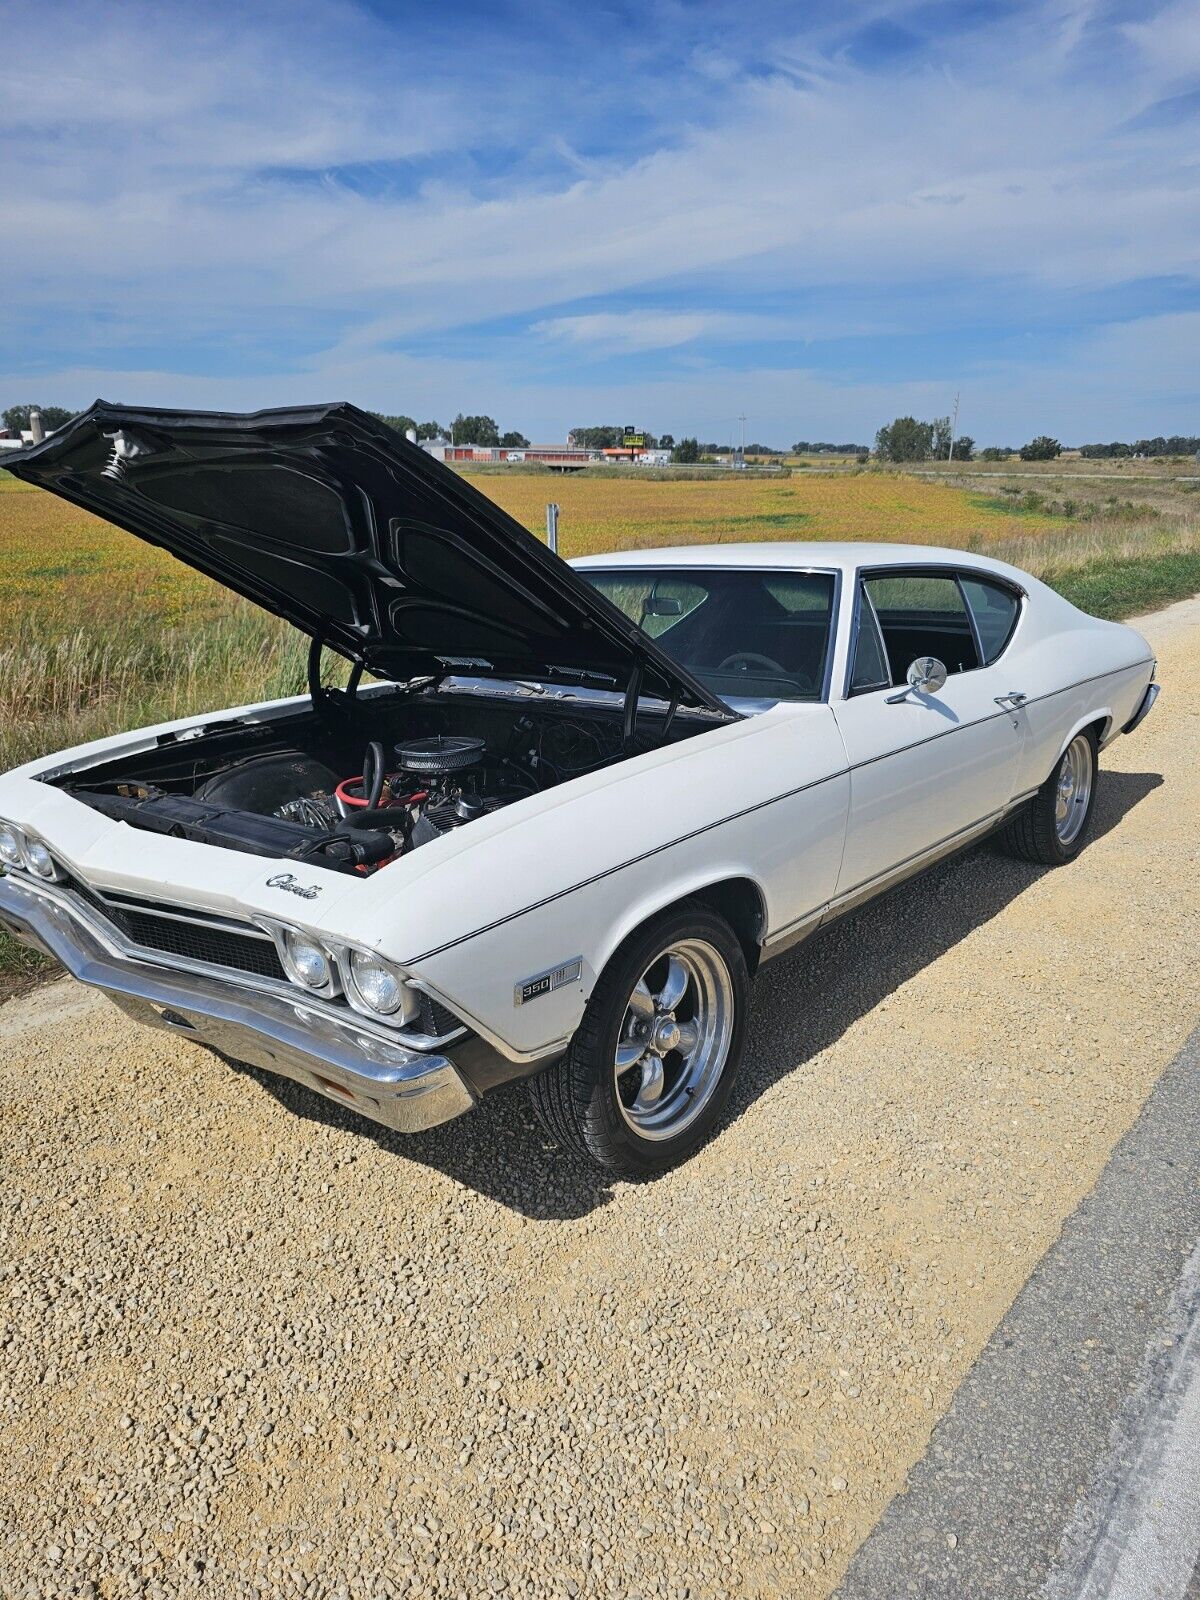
811 804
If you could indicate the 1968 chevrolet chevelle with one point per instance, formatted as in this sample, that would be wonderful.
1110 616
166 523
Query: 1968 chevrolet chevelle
574 808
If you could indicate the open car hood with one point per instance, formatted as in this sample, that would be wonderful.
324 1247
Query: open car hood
334 521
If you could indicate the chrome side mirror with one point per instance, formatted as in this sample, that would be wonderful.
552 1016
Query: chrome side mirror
926 676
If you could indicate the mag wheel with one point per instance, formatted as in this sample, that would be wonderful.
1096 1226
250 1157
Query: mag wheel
652 1065
1052 828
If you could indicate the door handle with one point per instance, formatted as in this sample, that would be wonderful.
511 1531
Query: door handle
1013 700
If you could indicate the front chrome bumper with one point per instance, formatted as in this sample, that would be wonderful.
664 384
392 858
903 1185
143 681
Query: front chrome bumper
403 1089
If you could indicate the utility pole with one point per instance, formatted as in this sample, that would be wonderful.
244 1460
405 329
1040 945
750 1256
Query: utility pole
742 420
953 430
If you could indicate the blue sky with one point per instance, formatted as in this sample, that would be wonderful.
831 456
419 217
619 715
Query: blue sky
663 214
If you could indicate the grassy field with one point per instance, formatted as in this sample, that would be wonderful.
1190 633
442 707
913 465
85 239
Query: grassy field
99 632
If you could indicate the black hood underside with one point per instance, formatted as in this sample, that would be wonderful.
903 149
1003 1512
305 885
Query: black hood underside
330 519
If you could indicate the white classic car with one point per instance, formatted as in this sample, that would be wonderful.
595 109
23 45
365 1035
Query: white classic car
578 805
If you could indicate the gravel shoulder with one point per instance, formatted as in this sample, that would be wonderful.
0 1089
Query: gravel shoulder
251 1346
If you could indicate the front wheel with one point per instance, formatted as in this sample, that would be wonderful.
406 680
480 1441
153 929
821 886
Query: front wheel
652 1065
1052 828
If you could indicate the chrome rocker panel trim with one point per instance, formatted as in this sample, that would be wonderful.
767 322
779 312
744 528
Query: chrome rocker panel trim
405 1090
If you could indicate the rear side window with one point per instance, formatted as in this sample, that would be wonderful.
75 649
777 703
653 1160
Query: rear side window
922 614
994 607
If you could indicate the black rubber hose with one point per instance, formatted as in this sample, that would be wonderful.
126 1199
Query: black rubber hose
373 775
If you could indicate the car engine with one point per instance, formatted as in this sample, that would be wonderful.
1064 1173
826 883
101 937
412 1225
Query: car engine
288 803
438 784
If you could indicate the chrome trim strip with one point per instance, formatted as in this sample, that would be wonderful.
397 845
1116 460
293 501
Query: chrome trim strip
341 1060
152 908
851 899
870 887
792 933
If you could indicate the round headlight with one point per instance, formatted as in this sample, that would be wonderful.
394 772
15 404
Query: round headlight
10 848
38 859
306 962
378 986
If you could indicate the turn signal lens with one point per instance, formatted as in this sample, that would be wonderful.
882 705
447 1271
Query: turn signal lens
306 962
378 986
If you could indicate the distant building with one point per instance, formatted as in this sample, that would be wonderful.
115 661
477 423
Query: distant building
563 456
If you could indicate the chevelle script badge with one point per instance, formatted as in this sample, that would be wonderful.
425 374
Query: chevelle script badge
285 880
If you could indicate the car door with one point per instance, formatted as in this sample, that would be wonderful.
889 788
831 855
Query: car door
926 769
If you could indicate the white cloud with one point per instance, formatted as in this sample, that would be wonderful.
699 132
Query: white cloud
163 185
1126 381
614 331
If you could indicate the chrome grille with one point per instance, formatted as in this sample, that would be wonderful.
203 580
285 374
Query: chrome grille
215 944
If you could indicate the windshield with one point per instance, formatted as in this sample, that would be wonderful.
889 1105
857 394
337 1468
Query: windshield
744 634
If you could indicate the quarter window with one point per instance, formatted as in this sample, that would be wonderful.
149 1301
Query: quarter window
994 607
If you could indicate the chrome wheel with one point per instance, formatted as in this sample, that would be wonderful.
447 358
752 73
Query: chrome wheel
1075 777
674 1039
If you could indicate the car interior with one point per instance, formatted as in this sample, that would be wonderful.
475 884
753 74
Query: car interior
904 615
746 634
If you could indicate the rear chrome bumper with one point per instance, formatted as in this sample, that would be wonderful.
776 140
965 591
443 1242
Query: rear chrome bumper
403 1089
1144 709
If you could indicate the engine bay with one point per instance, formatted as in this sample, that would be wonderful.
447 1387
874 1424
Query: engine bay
357 783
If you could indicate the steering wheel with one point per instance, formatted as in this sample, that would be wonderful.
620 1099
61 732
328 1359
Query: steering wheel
751 661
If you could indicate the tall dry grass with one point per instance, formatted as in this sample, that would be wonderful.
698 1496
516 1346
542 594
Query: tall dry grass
61 687
1087 531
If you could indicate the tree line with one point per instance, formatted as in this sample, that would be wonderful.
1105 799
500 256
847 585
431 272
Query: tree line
904 439
1177 444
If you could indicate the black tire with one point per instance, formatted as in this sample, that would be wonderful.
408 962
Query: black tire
1033 834
578 1100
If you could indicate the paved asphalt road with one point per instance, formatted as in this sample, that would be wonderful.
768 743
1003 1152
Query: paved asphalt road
1068 1466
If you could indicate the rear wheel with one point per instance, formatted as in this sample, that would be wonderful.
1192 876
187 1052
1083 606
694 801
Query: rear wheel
652 1064
1053 827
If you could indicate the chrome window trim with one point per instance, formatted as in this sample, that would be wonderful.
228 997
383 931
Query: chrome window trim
980 659
861 599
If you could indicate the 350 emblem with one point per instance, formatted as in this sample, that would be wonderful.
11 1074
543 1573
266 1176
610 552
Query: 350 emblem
544 982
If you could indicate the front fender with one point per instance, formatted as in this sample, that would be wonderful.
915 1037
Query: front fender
789 850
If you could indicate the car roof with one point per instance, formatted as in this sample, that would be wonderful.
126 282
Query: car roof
772 555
